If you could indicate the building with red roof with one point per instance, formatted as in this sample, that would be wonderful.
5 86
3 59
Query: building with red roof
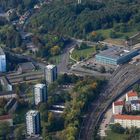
127 120
7 118
131 95
117 107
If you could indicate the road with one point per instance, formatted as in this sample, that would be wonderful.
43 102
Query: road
124 77
79 41
63 65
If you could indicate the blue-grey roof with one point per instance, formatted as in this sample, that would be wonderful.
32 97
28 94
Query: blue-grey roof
115 52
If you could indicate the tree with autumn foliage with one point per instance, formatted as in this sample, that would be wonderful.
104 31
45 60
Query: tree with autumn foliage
85 91
55 50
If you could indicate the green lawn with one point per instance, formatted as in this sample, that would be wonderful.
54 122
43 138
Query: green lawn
106 33
55 59
114 136
83 53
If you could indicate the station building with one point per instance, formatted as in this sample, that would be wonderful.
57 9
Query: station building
115 56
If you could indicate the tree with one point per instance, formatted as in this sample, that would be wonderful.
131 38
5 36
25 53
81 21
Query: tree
3 102
123 28
44 132
2 111
29 3
126 38
50 117
102 69
13 16
0 87
17 90
117 128
71 132
136 88
4 130
55 50
51 122
18 133
83 46
18 40
43 112
113 34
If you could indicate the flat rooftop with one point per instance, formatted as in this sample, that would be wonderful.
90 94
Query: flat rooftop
50 66
115 52
1 51
32 113
39 85
126 117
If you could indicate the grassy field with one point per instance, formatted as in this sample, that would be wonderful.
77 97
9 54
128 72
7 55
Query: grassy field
55 59
83 53
114 136
106 33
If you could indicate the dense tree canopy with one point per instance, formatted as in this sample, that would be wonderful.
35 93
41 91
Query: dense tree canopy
8 4
79 20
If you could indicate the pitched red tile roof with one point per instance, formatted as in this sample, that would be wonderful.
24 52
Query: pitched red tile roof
118 103
126 117
5 117
132 93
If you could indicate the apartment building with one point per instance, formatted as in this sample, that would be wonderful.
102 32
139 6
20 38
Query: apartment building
127 120
131 95
50 73
40 93
33 122
117 107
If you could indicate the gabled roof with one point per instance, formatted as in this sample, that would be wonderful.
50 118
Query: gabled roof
26 66
126 117
132 93
5 117
119 103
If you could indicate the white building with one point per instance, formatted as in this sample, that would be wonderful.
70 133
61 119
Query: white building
117 107
127 120
33 122
131 95
40 93
50 73
2 61
135 105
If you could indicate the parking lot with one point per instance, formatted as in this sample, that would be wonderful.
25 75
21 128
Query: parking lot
94 68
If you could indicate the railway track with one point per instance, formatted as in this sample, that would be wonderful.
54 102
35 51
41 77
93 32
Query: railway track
25 77
125 77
